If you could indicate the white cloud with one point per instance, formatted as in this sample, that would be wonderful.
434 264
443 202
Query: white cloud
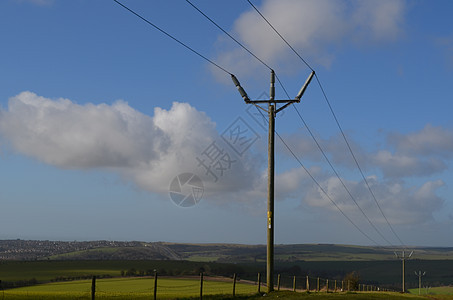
150 151
401 203
312 27
378 20
425 152
428 141
401 165
65 134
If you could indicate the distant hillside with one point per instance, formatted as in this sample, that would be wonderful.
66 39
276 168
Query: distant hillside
230 253
299 252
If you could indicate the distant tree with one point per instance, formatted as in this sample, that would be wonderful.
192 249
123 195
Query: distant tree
131 272
353 278
123 273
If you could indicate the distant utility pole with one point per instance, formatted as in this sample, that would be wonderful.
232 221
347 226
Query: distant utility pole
272 112
403 259
420 274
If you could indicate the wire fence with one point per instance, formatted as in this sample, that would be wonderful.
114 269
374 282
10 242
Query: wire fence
170 287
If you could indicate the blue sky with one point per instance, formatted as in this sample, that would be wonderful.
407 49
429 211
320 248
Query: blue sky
99 112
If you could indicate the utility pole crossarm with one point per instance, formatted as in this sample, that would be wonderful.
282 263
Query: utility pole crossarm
403 258
289 101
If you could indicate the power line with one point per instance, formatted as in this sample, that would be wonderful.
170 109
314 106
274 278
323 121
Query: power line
229 35
239 43
357 162
319 185
172 37
284 89
341 180
324 191
336 120
223 69
269 23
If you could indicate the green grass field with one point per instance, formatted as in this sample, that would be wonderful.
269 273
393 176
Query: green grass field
48 270
129 288
443 290
182 288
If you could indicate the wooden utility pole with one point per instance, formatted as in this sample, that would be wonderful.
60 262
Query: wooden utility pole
155 285
272 111
93 288
420 274
201 286
234 285
403 259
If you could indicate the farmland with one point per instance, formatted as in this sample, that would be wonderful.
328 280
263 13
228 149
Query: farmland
441 290
130 288
171 288
375 265
237 253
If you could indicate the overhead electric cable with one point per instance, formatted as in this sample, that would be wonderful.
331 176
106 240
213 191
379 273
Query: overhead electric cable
224 31
172 37
320 187
269 23
324 191
336 120
284 89
239 43
341 180
357 164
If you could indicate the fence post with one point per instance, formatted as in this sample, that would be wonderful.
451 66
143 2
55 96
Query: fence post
317 285
259 283
327 285
294 283
234 284
93 288
201 286
342 286
349 285
155 285
308 284
335 286
278 282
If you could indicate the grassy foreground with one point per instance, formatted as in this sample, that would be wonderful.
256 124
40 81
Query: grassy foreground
182 288
442 290
127 288
274 295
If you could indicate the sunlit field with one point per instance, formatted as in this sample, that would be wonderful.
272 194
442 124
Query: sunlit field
129 288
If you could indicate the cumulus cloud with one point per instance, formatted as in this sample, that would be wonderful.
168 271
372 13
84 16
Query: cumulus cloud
400 165
65 134
425 152
421 153
400 157
150 151
401 203
312 27
429 141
